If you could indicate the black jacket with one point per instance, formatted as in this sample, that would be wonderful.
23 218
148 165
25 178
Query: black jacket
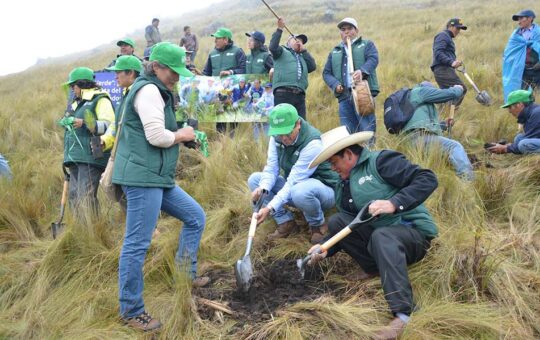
444 49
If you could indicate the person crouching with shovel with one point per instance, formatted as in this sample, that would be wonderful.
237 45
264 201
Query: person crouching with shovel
402 228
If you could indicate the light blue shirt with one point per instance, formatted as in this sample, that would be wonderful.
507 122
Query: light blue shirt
299 171
526 33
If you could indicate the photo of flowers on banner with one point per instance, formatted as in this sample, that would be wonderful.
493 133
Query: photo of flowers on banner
236 98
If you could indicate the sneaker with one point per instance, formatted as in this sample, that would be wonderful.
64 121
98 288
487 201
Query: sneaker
317 233
283 230
143 322
200 281
392 331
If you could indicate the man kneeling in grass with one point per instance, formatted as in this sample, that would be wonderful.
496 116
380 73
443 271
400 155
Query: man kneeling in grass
402 233
521 105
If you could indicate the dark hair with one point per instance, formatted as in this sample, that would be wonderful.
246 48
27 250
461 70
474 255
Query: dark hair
186 28
86 84
136 73
257 44
355 148
154 20
149 67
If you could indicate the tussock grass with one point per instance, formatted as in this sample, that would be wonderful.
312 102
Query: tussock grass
480 279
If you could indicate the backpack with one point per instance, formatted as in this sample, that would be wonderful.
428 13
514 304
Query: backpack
398 110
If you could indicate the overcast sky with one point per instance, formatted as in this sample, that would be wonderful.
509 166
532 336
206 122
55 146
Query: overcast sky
34 29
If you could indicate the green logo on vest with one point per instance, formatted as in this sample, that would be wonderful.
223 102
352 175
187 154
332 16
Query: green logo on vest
363 180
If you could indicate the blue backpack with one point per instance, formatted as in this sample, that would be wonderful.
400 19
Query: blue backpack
398 110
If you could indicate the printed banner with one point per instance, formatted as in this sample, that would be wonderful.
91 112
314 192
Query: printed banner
237 98
107 80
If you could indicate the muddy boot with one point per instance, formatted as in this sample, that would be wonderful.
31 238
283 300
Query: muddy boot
360 275
143 322
317 233
200 281
283 230
392 331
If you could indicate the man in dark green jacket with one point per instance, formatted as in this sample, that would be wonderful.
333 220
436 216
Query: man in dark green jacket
225 59
395 190
336 75
292 63
287 179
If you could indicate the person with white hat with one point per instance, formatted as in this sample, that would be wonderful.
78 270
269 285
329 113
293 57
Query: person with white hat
403 229
365 60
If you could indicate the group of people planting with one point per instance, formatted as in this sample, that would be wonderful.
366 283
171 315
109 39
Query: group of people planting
305 169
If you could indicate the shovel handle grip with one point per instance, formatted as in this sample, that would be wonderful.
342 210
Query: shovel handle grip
335 239
253 225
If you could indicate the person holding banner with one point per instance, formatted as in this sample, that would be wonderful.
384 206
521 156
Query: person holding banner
292 63
85 122
145 167
225 59
260 61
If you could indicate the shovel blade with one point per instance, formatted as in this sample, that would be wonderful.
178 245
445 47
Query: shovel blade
483 98
56 229
244 274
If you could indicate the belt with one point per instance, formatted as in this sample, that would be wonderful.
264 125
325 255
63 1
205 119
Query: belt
289 89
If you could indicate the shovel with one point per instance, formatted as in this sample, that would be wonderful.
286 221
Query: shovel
361 219
482 96
243 269
56 227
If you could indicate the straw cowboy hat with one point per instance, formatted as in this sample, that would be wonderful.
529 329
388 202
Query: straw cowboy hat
337 139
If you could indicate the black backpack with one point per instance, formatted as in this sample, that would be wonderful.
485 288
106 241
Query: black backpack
398 110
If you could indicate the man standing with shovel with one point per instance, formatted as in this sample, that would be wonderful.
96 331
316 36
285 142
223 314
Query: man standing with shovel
403 231
445 62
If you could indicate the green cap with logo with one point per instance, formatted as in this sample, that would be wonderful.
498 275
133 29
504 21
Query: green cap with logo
282 119
126 41
222 33
126 63
518 96
171 55
80 73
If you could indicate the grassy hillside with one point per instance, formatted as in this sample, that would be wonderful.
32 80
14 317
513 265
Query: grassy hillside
481 279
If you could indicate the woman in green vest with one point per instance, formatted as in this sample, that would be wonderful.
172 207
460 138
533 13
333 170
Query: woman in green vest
85 122
395 190
145 167
260 61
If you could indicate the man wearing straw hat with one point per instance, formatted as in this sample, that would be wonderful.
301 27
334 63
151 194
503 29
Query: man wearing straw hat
403 230
365 60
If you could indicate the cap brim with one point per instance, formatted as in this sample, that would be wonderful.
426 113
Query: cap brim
507 105
461 27
284 130
184 72
248 35
332 149
515 17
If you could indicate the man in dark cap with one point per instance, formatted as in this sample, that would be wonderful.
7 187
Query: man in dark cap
521 66
260 61
292 63
445 61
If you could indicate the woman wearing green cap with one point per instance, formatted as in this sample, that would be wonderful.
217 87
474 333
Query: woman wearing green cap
145 166
91 113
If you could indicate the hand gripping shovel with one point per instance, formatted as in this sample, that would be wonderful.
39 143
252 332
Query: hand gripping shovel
243 269
56 227
361 219
482 96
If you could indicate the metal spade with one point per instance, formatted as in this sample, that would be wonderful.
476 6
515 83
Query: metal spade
243 269
361 219
481 96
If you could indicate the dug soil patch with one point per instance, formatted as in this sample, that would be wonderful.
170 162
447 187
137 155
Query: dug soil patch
275 286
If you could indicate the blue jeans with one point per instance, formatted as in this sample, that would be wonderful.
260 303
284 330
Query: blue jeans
527 145
352 120
4 168
456 153
311 196
143 207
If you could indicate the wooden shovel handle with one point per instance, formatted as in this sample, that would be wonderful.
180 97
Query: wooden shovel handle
336 238
253 225
65 193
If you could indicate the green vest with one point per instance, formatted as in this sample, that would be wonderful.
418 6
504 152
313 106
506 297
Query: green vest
223 60
137 162
425 117
285 71
358 47
77 142
366 184
255 62
288 155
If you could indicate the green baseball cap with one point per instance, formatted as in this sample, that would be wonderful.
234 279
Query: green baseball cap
222 33
282 119
171 55
126 41
518 96
126 63
80 73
